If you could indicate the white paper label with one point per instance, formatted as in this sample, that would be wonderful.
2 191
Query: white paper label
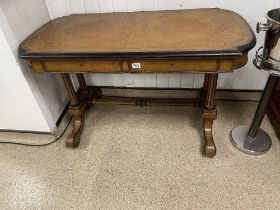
136 65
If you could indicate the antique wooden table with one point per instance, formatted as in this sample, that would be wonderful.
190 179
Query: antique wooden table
209 41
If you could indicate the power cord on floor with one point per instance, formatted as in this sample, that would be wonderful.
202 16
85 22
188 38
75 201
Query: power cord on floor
39 145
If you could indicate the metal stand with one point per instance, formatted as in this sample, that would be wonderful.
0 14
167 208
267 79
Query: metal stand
252 139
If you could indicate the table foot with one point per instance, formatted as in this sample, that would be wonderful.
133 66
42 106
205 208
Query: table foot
73 139
209 145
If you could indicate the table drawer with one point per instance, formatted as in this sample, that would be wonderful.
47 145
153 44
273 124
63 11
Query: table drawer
174 65
94 66
138 65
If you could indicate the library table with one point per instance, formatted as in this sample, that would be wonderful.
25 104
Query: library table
204 41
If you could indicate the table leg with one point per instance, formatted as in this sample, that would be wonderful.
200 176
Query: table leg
73 139
82 81
79 102
76 110
209 112
203 91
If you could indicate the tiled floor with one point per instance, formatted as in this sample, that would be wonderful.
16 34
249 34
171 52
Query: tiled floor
142 158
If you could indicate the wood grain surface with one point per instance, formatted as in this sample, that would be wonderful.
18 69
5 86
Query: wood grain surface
86 65
184 33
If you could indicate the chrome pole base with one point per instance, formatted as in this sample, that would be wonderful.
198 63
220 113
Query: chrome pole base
252 146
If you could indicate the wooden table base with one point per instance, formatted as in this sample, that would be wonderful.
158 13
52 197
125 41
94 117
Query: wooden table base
86 96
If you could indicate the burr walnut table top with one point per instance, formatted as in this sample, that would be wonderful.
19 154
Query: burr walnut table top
160 34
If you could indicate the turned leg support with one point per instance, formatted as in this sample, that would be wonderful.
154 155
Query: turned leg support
82 82
78 103
209 112
73 139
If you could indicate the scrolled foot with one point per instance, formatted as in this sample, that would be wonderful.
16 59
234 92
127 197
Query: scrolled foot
209 145
209 149
73 139
72 142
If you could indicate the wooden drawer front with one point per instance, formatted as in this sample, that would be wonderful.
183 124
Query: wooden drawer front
139 65
94 66
176 65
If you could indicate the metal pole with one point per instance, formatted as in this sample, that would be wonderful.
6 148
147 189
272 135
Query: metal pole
261 110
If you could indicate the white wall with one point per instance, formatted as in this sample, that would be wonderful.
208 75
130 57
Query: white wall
246 78
18 107
30 101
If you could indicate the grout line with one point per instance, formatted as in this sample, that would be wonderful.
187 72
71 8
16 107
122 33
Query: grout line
156 5
83 6
49 10
112 6
126 5
69 7
181 77
97 5
57 9
193 82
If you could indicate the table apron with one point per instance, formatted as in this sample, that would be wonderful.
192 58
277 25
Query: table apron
138 65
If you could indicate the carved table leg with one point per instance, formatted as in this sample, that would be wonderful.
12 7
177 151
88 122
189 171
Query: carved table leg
203 91
79 102
82 82
209 112
73 139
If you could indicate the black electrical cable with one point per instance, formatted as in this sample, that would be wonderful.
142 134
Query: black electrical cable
39 145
